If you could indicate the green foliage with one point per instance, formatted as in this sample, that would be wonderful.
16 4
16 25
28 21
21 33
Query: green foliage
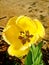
34 56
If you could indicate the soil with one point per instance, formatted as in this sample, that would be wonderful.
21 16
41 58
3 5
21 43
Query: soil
33 8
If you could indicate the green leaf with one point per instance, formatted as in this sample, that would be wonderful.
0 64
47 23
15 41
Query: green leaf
40 44
34 56
28 60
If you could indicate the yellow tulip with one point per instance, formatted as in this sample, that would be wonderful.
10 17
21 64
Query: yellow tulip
20 33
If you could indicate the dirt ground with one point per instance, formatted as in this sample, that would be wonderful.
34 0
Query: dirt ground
33 8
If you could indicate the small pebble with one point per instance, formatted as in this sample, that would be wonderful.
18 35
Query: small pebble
30 11
29 7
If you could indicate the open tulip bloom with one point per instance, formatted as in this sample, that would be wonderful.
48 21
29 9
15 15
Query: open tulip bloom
20 33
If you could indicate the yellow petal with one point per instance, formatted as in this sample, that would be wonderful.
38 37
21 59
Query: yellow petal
27 24
40 28
11 34
18 53
12 21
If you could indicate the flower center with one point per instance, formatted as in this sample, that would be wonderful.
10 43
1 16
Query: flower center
25 36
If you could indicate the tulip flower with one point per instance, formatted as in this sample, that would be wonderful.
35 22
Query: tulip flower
20 33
